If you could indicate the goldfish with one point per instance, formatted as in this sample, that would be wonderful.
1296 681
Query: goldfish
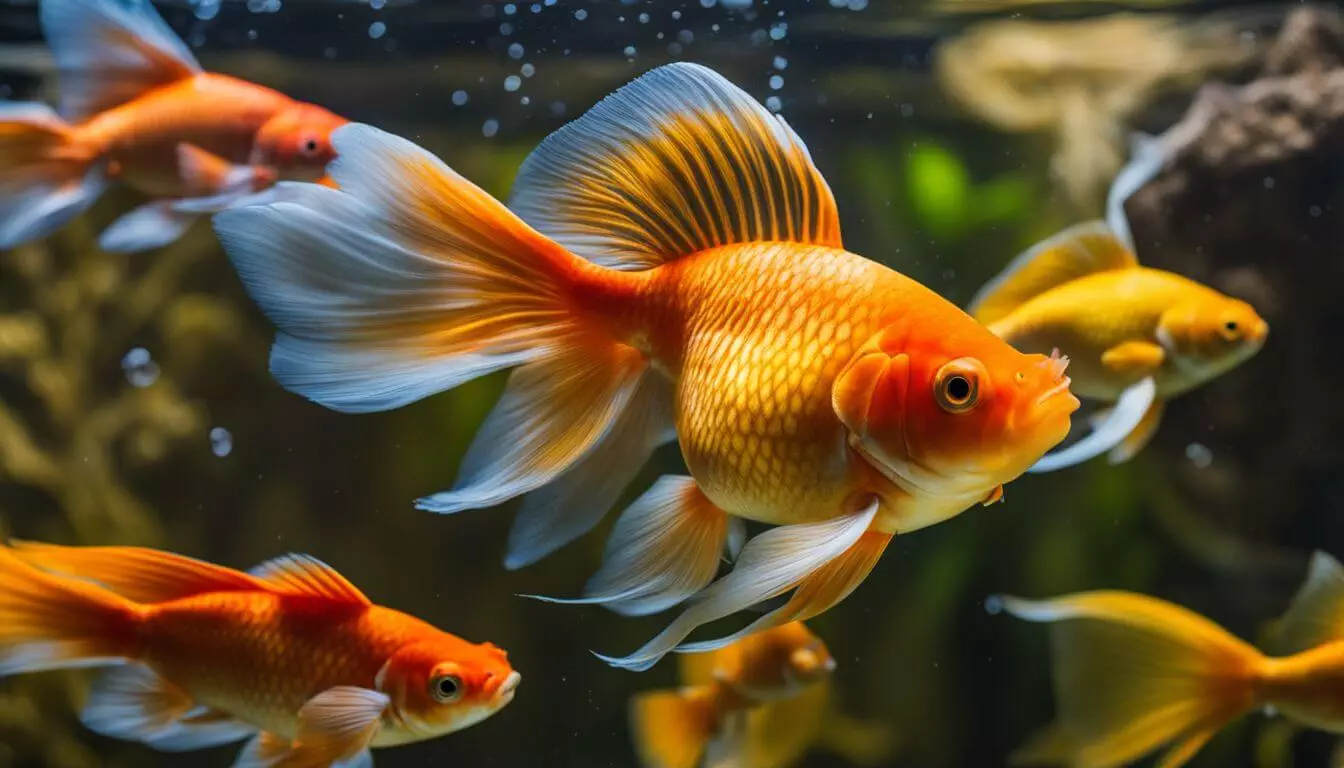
289 655
137 109
758 703
1134 673
670 268
1136 336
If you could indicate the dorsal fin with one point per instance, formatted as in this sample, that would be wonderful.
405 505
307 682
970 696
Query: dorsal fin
110 51
304 575
676 162
1078 251
138 574
1316 614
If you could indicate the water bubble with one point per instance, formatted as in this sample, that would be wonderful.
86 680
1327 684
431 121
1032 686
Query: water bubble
460 98
510 9
139 367
580 14
643 18
377 29
674 49
528 70
781 63
490 128
557 108
377 5
994 605
329 53
1269 182
1315 211
629 50
221 442
512 82
506 29
776 82
676 15
685 37
1199 455
525 100
907 110
206 10
778 31
516 51
736 5
773 103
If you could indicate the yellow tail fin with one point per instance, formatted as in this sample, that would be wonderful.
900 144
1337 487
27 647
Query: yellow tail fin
49 622
672 728
1133 674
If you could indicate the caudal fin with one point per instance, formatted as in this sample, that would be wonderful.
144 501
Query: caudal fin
409 280
1133 674
46 179
671 729
50 622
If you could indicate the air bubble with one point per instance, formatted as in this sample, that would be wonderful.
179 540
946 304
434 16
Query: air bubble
994 605
377 29
460 98
221 442
139 367
490 128
512 82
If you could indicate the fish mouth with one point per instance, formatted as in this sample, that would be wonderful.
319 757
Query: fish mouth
504 694
1061 388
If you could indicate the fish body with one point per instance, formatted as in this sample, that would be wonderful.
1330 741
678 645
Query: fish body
670 268
1135 674
761 702
207 655
134 102
1123 326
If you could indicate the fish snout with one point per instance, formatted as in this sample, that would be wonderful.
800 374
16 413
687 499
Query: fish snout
1258 333
504 693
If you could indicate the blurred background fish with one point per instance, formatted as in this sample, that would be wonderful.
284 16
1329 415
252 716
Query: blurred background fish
761 702
137 108
289 655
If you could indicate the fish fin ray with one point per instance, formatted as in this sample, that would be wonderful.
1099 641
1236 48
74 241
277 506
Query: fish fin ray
336 725
1133 673
664 548
145 228
46 178
139 574
200 730
1141 435
133 703
676 162
553 412
1122 420
672 728
108 52
406 281
570 506
815 594
265 750
1147 156
295 574
1316 614
1078 251
771 564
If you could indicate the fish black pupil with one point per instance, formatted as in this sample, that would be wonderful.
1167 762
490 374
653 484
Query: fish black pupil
447 687
1231 325
958 388
310 145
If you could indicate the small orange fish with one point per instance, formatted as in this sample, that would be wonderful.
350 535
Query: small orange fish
671 268
132 98
1134 674
758 703
1136 336
289 654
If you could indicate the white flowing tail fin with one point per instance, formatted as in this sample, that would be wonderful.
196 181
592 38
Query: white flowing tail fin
46 177
409 280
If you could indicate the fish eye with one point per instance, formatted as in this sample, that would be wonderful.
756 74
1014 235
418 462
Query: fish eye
446 688
310 147
957 385
1230 329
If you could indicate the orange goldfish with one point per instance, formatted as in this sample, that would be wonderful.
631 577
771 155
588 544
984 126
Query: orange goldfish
137 108
758 703
671 268
1133 673
1136 336
289 654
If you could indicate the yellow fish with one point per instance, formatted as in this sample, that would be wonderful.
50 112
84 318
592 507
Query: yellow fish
762 702
1136 337
1133 673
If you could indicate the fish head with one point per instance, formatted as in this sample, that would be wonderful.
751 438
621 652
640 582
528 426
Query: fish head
948 410
446 684
1212 332
297 142
778 662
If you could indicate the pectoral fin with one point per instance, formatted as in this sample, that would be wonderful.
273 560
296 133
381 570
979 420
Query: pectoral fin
1127 415
1134 358
335 728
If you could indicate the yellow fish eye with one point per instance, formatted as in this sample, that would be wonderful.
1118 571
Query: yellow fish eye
957 385
1231 330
